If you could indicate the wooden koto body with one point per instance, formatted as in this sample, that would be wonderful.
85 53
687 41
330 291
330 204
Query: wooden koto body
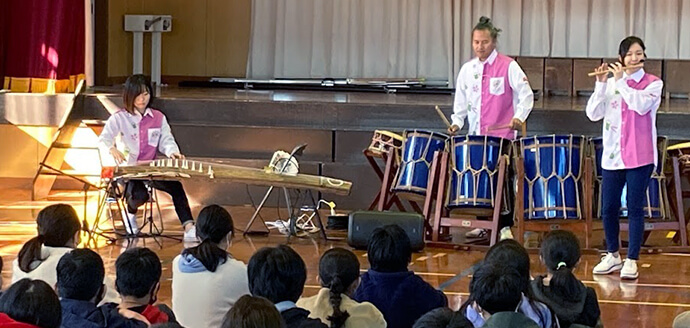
176 169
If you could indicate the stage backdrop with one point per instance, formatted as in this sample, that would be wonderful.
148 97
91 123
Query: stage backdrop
432 38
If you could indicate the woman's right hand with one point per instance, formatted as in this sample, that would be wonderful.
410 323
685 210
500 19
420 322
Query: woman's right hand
603 68
117 155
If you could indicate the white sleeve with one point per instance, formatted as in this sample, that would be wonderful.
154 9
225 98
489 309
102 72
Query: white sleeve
596 105
641 101
167 144
460 102
521 88
107 138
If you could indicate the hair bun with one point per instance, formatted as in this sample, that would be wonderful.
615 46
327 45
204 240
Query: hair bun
484 20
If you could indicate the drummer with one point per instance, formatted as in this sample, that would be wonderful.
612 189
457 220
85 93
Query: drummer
494 94
627 103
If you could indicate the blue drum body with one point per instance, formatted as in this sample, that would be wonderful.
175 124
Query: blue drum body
553 170
417 154
654 206
474 170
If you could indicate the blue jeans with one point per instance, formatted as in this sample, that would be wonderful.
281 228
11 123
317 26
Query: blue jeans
612 187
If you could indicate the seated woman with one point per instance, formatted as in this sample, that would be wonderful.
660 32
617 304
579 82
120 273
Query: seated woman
339 277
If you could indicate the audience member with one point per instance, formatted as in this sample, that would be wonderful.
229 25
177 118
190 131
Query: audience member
571 301
80 286
253 312
339 277
443 318
138 274
30 303
278 274
206 279
398 293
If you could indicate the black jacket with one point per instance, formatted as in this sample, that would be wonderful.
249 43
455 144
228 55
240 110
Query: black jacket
582 309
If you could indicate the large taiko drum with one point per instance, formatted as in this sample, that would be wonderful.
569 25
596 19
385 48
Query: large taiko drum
656 200
417 154
473 179
553 170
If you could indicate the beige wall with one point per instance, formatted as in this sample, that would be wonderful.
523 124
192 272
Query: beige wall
23 148
208 37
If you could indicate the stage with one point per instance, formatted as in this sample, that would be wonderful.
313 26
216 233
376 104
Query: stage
245 127
652 301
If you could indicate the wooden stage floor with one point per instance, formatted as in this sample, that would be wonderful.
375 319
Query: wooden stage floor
662 292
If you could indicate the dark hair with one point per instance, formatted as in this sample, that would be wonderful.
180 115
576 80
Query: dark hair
338 269
497 287
627 43
443 318
485 24
277 273
57 224
80 274
212 225
560 252
137 271
389 249
253 312
33 302
510 253
134 86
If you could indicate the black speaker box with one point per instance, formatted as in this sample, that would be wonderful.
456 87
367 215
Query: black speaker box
362 223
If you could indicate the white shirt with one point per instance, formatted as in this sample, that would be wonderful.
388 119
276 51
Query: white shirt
468 93
125 127
46 270
605 103
201 299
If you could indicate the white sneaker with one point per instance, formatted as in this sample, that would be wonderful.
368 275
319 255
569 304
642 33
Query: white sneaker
506 233
131 223
629 270
476 233
608 264
190 235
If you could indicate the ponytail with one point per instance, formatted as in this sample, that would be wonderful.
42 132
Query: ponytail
30 252
338 317
213 225
57 225
208 253
560 252
563 282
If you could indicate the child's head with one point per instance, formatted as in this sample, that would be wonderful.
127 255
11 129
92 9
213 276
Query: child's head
339 272
560 252
214 227
496 287
33 302
80 276
510 253
58 226
277 273
389 249
253 312
443 318
138 93
138 274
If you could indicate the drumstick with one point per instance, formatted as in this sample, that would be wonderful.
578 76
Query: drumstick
443 116
611 71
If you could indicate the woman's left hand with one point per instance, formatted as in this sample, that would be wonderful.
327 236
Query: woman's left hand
617 69
176 156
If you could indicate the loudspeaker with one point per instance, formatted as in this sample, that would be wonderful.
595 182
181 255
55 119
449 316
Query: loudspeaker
362 223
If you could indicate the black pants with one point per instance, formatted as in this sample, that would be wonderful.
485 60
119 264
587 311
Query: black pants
137 194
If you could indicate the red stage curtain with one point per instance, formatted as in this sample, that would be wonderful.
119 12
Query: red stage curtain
42 39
